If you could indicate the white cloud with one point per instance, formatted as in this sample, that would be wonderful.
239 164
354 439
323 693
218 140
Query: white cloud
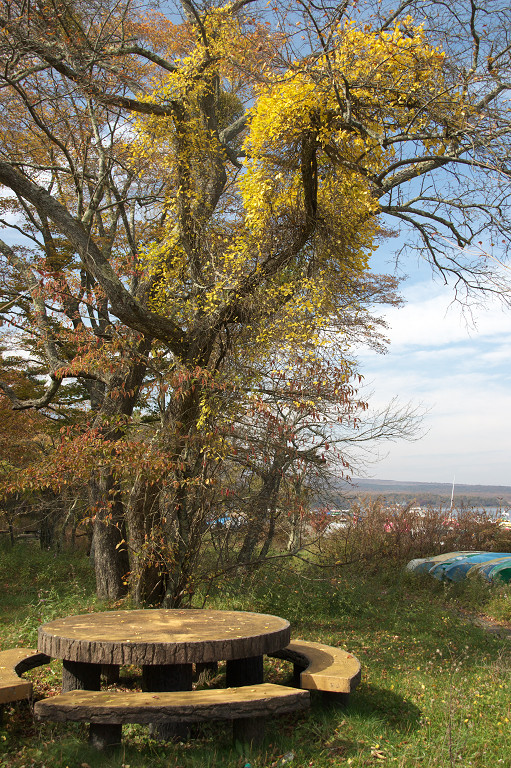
461 375
430 318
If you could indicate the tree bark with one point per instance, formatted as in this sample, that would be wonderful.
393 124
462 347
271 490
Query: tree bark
111 561
144 523
110 535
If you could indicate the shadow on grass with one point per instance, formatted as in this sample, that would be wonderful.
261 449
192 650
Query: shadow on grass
394 710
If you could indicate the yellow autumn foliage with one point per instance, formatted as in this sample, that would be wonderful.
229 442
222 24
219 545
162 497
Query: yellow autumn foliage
200 259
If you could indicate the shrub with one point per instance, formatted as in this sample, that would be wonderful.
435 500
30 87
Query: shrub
377 531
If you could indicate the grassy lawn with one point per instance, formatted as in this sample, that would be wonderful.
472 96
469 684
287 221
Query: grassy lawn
434 693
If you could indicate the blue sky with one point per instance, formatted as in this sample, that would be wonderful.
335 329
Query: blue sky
459 369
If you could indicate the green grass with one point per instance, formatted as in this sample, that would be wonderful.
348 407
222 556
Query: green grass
37 586
435 691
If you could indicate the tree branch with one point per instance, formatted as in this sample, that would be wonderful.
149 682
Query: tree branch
123 304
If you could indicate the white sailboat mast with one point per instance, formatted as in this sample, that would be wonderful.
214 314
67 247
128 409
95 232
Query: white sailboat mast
452 492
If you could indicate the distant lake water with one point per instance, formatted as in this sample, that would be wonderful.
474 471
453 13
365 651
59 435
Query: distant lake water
493 512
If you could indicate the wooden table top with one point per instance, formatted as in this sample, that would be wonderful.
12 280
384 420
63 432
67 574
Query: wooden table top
163 636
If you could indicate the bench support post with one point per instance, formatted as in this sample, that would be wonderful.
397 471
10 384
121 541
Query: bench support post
102 735
249 730
297 671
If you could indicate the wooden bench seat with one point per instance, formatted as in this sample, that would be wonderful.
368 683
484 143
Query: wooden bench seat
13 663
319 667
106 711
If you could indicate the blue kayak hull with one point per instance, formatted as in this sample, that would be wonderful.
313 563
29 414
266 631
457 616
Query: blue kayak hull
456 566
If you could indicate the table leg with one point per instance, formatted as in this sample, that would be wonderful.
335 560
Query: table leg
244 671
80 675
168 677
110 673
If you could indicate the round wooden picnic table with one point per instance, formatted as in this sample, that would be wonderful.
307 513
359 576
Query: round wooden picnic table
165 643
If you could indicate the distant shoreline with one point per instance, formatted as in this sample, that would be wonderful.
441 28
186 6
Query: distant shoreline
396 491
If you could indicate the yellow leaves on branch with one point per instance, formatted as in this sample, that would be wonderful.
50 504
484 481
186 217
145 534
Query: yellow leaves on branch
347 104
368 76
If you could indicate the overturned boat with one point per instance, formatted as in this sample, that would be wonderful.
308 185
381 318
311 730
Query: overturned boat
456 566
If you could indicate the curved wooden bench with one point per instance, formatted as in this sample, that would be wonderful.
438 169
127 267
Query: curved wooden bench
324 668
13 663
106 711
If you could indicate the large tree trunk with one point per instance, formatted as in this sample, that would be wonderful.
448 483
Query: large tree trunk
188 495
145 531
188 528
109 545
111 562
